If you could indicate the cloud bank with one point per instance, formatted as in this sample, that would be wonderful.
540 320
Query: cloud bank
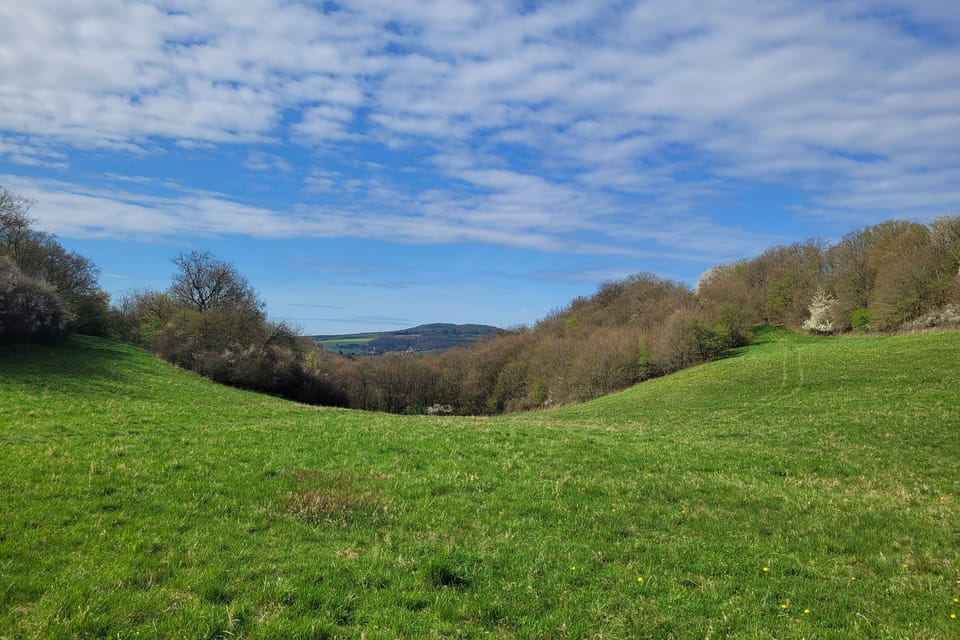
570 126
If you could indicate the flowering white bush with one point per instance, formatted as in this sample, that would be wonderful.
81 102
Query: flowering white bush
821 313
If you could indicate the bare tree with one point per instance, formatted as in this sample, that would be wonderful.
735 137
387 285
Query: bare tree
15 222
945 232
203 283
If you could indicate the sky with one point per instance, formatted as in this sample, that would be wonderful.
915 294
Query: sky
377 164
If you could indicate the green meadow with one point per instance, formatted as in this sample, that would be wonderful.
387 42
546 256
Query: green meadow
800 488
346 346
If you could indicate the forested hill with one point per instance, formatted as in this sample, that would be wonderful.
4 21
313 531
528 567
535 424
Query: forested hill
420 339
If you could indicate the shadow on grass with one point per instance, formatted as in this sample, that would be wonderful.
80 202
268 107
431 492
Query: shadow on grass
80 360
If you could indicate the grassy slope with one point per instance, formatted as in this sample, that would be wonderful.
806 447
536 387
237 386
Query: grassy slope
141 501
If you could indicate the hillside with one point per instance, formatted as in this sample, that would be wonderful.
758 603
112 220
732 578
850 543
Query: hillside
800 488
425 338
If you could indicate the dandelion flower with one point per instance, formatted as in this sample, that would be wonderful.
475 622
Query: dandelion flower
766 569
852 578
639 579
904 565
573 567
956 599
784 605
953 616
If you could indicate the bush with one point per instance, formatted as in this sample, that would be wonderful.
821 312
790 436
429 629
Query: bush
39 256
141 315
821 313
860 319
688 339
30 310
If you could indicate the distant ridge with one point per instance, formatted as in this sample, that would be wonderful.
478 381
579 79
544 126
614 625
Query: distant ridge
423 338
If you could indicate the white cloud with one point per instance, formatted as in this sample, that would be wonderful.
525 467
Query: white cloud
19 152
262 161
570 126
325 123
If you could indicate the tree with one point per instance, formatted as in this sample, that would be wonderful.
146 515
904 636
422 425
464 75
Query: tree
141 315
211 321
218 311
912 278
727 293
821 313
38 255
72 275
788 277
945 232
15 221
203 282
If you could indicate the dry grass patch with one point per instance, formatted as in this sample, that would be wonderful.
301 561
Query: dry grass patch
338 499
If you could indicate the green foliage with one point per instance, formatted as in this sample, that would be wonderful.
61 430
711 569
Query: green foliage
860 319
143 501
539 394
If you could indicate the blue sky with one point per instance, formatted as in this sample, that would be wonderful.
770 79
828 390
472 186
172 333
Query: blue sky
379 164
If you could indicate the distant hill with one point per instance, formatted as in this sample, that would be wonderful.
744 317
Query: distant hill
424 338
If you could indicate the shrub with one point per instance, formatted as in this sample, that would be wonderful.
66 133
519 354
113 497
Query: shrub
687 339
30 310
821 313
860 319
141 315
39 256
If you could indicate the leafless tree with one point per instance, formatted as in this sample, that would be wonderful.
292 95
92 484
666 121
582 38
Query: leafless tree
15 222
203 283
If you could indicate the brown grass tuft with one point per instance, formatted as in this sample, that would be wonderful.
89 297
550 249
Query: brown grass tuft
338 499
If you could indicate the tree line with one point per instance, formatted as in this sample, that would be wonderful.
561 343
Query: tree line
893 276
897 275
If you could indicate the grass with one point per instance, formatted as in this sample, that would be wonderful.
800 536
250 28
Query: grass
347 346
802 488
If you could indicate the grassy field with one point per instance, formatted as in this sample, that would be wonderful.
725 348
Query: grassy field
802 488
346 346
